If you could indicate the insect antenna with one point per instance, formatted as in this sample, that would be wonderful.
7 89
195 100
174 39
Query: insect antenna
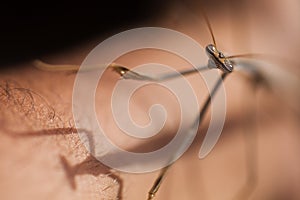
209 26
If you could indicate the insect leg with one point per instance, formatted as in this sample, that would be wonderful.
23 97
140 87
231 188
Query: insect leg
158 181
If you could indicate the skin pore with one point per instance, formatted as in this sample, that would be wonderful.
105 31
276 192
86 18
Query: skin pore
42 156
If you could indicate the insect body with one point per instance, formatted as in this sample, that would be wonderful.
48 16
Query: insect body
217 59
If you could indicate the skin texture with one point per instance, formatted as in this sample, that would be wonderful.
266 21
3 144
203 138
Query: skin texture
257 156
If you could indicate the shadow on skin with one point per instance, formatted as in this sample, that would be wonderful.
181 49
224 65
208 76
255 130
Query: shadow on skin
93 167
89 166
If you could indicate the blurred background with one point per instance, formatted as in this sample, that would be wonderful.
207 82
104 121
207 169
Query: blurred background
30 29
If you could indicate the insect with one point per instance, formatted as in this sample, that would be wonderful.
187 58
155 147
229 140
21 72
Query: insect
227 64
216 60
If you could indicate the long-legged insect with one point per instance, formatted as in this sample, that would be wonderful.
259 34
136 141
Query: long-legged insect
216 60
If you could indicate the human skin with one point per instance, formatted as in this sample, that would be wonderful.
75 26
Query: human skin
258 158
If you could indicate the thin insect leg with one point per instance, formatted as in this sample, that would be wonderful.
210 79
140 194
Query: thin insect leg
249 55
48 67
73 68
209 98
129 74
158 181
264 56
184 73
276 59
